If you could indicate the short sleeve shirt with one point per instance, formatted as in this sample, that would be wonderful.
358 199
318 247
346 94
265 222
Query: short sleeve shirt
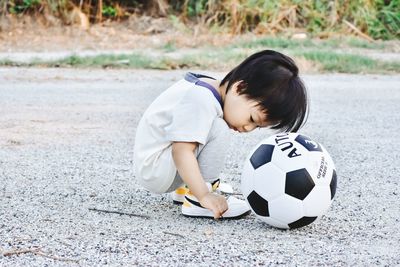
183 113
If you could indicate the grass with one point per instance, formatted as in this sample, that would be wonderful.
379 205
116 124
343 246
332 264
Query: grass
329 62
127 60
169 47
348 63
9 63
283 42
323 56
271 42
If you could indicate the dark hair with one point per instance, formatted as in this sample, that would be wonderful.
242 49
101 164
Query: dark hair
271 79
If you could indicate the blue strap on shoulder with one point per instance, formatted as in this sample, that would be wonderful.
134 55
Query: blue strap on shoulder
195 78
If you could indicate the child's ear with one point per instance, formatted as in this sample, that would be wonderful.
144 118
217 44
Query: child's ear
239 86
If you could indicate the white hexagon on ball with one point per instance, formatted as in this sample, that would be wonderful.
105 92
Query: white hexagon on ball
286 208
247 184
287 164
318 201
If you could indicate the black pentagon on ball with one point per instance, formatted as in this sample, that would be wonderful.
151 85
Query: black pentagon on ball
298 183
262 155
302 222
308 144
258 204
333 184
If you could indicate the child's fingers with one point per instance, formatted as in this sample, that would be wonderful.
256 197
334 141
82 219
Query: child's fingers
219 212
223 207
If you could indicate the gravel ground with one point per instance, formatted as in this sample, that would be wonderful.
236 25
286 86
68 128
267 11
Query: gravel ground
66 146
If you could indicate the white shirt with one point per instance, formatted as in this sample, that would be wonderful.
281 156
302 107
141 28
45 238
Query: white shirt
184 112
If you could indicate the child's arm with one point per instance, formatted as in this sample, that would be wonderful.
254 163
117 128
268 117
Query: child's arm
188 168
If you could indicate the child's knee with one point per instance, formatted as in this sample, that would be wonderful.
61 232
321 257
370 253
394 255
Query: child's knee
219 128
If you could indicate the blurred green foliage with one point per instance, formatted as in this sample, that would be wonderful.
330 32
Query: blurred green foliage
380 19
22 6
109 11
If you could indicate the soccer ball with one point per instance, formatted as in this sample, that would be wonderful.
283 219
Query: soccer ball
289 180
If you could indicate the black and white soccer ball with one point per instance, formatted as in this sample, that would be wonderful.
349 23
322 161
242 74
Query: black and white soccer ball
289 180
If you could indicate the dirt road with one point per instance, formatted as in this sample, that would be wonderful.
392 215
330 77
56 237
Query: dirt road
66 147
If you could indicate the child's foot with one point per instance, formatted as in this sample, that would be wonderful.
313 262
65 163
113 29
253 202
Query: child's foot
178 196
236 208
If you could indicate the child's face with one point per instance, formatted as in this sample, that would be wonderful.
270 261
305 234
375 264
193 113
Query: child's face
242 114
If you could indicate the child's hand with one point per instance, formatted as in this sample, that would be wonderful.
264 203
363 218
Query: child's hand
216 203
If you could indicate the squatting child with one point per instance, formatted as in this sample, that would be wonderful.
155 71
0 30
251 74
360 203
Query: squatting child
183 136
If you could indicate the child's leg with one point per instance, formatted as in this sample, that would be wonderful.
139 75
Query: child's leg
211 155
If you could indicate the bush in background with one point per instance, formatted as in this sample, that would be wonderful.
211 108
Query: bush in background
379 19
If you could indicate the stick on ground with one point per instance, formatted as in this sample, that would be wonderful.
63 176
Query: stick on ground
174 234
120 213
36 251
19 251
54 257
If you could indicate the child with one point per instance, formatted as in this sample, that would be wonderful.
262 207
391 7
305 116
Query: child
183 136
